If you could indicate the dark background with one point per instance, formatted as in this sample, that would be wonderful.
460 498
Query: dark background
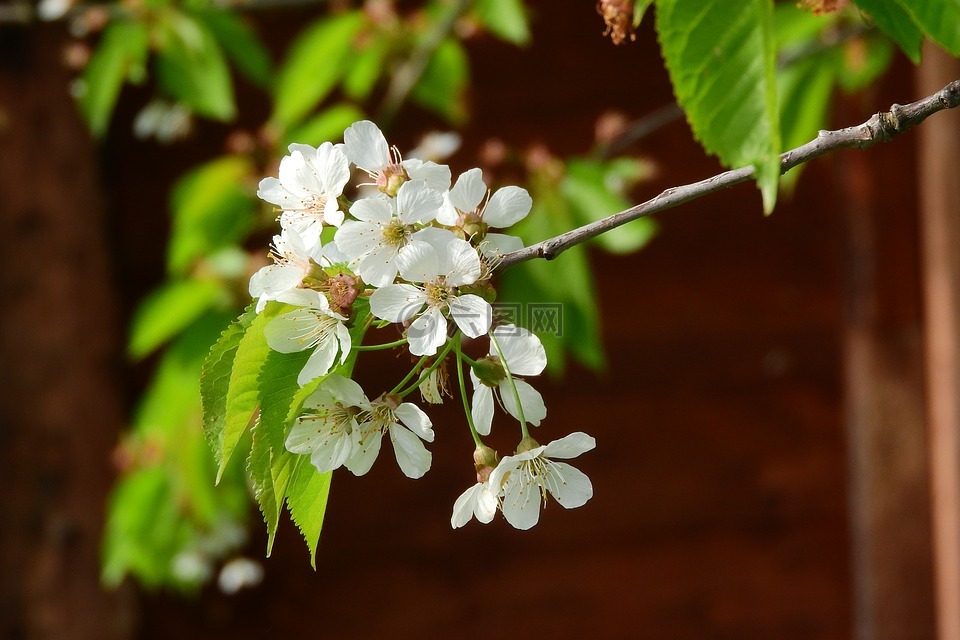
722 501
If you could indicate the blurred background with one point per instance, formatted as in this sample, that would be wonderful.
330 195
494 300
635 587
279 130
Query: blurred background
763 390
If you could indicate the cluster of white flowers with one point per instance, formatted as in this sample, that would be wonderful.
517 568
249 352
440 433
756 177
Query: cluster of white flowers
422 254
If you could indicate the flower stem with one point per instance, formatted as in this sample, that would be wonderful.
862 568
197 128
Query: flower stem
513 385
463 395
423 376
379 347
407 377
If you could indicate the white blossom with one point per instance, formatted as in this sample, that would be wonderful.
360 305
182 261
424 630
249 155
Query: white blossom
439 274
383 228
526 479
293 261
507 206
311 326
479 501
407 426
310 182
327 428
523 355
366 147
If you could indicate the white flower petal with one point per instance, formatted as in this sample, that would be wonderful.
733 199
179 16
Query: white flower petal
472 314
397 302
522 350
305 298
333 169
477 501
373 209
416 202
332 453
427 333
379 267
416 420
568 485
469 190
365 146
320 361
274 279
365 453
346 391
437 238
412 456
292 331
508 206
418 262
533 408
521 501
482 408
499 244
570 446
460 263
447 214
437 176
357 239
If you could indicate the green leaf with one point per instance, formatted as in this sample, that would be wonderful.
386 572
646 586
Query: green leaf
871 58
317 59
328 125
639 10
307 501
938 19
722 61
368 66
212 208
442 85
278 387
191 68
215 382
241 44
506 19
167 311
243 392
121 53
894 21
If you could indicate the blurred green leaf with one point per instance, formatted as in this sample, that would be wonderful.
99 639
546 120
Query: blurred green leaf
241 44
639 10
317 60
866 60
938 19
120 54
168 310
167 523
587 187
328 125
894 21
368 66
722 61
191 67
212 208
507 19
442 85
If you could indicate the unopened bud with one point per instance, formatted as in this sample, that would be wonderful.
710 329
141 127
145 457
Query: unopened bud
391 178
489 370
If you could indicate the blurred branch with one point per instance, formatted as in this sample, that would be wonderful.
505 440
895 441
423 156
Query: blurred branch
879 128
409 72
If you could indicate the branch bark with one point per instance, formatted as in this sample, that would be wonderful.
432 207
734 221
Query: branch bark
881 127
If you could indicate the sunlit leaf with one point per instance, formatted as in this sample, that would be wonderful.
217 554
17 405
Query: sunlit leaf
121 52
442 86
316 61
722 61
191 68
213 207
938 19
506 19
893 20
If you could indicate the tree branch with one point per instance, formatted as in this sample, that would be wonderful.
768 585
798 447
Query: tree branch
879 128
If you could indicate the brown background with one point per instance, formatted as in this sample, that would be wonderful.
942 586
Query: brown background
721 506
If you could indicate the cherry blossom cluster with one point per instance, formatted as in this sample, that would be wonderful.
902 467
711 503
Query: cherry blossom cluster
418 253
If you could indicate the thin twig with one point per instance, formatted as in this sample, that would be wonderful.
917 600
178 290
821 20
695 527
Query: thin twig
879 128
408 73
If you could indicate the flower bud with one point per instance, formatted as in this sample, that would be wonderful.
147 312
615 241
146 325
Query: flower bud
527 444
485 460
391 178
489 370
344 289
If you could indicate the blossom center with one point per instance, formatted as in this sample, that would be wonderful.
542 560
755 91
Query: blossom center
439 293
396 234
